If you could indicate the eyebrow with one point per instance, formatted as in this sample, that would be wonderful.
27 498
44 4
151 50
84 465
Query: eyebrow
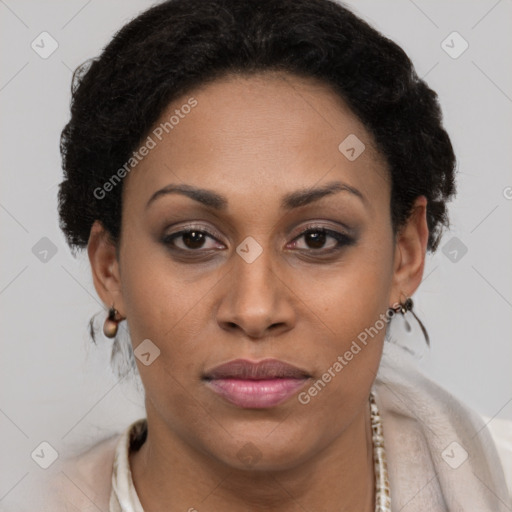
289 201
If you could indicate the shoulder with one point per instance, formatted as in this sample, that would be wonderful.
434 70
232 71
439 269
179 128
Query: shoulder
437 446
501 432
80 483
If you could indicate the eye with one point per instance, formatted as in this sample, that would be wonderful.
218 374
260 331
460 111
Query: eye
321 238
190 240
316 239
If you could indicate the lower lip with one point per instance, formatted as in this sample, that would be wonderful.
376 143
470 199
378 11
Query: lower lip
256 394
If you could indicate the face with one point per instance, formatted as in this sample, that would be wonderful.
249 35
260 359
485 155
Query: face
289 255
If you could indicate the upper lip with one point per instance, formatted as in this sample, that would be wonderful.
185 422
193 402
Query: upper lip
256 370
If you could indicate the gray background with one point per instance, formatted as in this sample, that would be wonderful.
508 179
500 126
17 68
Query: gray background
56 386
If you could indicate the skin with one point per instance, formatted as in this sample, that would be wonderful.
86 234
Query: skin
254 139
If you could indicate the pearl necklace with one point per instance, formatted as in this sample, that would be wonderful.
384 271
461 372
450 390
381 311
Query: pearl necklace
382 494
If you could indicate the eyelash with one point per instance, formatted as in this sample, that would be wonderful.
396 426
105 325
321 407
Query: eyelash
341 238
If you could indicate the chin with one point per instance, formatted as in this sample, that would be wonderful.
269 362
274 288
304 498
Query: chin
266 449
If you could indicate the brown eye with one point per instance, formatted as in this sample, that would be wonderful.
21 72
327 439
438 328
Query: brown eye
316 239
190 240
193 239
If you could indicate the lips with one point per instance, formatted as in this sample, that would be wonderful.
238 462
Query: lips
255 385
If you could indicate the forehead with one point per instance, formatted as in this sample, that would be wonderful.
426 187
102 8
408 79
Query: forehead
247 134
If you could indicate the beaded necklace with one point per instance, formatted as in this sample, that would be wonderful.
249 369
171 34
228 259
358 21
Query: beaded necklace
382 494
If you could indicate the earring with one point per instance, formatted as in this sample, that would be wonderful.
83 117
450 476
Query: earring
403 308
111 323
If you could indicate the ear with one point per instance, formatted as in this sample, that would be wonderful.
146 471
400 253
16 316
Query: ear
410 251
105 267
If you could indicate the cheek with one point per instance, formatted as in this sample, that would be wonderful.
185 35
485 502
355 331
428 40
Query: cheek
352 308
170 307
155 294
154 301
350 295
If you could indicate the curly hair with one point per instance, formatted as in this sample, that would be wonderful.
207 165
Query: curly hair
180 44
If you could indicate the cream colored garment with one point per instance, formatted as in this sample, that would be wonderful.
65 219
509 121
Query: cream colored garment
501 431
124 496
440 455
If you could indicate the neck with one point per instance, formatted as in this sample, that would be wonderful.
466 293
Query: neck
169 474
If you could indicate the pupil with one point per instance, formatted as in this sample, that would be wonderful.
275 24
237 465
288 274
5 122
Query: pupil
194 238
315 239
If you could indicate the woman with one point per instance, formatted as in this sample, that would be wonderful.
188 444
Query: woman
257 184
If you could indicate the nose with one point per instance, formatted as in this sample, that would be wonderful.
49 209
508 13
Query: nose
258 301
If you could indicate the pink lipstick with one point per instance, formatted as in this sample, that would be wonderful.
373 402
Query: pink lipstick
256 385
